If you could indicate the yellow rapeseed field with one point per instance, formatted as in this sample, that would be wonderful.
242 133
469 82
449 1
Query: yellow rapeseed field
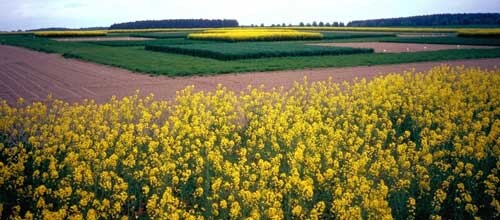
254 34
404 146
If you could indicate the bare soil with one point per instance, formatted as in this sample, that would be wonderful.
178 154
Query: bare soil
34 75
382 47
80 39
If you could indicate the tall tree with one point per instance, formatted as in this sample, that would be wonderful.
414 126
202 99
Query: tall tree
176 23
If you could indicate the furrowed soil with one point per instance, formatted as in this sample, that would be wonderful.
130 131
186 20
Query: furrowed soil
34 75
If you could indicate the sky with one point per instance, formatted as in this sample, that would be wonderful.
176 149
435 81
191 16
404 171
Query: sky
32 14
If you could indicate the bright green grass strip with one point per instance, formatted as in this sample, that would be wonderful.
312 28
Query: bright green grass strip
235 51
138 59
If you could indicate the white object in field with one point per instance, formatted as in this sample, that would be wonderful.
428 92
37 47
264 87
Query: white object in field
458 46
385 50
425 48
407 49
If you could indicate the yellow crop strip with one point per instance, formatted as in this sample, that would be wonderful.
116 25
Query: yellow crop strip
254 34
404 145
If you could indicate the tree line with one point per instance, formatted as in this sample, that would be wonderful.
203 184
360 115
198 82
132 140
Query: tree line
302 24
177 23
433 20
322 24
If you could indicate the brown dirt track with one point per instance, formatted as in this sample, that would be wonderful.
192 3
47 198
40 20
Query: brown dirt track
33 75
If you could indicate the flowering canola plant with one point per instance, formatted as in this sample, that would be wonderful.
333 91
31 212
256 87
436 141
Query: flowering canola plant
254 34
404 146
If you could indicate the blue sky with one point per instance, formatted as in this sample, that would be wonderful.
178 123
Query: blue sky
30 14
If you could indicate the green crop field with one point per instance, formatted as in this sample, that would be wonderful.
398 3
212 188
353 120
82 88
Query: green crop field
346 35
234 51
446 40
161 35
133 56
131 43
134 43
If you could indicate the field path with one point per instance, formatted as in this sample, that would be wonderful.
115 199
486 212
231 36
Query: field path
33 75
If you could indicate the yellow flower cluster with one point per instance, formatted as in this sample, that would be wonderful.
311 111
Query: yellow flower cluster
69 33
254 34
406 146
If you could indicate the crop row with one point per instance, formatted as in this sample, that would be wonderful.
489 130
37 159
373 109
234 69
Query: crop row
248 50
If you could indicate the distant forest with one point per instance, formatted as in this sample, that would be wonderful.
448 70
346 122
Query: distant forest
176 23
433 20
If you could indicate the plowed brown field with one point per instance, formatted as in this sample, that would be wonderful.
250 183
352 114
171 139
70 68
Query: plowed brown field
33 75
